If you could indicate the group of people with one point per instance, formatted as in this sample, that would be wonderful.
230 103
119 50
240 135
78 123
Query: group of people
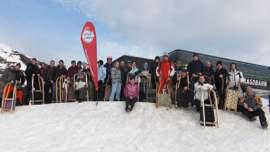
187 86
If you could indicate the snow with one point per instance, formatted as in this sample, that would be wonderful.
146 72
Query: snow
85 127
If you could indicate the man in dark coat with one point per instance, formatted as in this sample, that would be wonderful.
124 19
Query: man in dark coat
209 73
220 82
154 78
51 74
32 68
195 68
60 70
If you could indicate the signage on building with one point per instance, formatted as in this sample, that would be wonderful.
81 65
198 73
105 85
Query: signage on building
254 82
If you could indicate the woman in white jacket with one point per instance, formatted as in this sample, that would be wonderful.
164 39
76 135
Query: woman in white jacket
234 90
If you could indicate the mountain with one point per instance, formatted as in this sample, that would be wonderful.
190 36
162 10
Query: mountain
11 56
85 127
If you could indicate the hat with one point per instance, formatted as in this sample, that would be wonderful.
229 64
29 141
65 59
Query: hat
34 59
100 62
73 62
79 62
219 63
165 54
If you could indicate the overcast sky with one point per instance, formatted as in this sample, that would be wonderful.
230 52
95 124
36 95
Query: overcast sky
238 29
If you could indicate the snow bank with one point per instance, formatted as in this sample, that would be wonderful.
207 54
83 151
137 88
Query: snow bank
84 127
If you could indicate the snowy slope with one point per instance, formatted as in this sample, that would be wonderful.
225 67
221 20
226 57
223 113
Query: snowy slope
8 55
84 127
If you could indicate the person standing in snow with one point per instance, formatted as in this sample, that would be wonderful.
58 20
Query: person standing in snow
124 73
195 68
234 90
221 76
209 73
154 78
108 80
164 72
251 107
101 80
116 82
131 93
31 69
60 70
51 86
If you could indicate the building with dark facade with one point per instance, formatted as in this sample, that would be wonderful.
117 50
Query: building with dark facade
257 76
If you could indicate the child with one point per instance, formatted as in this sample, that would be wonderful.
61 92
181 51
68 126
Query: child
80 88
131 93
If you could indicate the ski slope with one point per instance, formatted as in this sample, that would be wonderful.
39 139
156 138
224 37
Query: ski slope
83 127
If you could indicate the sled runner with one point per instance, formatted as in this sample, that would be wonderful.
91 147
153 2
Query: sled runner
61 88
231 101
164 98
38 94
9 98
209 110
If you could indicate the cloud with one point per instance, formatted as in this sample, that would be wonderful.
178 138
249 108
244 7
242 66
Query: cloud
236 29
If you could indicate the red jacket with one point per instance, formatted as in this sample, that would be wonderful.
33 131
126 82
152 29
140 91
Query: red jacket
165 69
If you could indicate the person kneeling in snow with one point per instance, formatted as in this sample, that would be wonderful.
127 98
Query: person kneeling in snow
131 93
250 107
80 88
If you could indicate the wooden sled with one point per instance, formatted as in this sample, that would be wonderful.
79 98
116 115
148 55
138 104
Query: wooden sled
213 105
37 88
231 100
164 99
9 98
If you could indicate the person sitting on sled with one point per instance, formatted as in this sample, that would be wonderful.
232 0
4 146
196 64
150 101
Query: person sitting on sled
164 71
131 93
184 95
80 87
251 107
203 101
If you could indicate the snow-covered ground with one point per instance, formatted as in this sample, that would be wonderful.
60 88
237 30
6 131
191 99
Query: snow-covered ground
85 127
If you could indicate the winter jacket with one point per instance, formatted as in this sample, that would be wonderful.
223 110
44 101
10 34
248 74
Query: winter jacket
8 75
72 71
218 80
44 74
108 71
60 71
201 90
131 91
195 67
30 70
165 70
251 102
210 74
235 78
20 77
101 73
116 75
51 72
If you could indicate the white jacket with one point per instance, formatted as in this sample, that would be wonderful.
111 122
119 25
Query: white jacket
201 91
235 78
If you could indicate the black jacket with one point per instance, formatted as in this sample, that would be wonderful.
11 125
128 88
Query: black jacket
20 76
59 72
30 70
218 80
195 67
